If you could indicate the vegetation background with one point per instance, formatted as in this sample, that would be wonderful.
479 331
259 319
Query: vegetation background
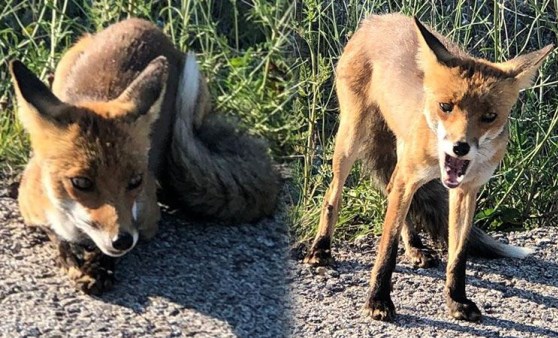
270 65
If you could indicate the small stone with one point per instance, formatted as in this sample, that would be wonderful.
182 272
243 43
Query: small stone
543 241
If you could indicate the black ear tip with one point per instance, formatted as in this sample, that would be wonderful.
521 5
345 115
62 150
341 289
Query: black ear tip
16 66
419 25
437 47
16 63
20 71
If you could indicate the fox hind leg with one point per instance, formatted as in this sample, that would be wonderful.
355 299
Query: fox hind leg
416 253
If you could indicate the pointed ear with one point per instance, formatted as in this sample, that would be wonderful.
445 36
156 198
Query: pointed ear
38 106
524 67
145 94
431 48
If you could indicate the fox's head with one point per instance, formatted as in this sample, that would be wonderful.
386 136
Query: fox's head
93 155
468 101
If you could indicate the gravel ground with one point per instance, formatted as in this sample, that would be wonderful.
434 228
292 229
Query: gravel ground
190 280
518 298
216 281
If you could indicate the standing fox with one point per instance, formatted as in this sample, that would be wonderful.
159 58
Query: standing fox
417 108
128 113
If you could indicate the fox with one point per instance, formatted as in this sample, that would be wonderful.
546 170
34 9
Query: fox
430 122
128 118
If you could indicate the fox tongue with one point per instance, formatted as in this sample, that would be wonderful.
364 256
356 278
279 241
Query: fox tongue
455 168
451 176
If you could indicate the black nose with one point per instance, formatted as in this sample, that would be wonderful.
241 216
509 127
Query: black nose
123 241
461 148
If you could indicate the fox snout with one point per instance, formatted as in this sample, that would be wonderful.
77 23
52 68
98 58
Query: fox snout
116 232
456 155
123 241
112 232
461 149
110 243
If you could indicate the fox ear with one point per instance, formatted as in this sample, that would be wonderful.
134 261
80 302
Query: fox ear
524 67
431 46
37 104
145 94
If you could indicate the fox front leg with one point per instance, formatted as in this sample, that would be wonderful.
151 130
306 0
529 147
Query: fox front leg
90 269
401 190
344 157
462 209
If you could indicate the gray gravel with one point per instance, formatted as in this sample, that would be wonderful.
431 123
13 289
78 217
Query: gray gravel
190 280
217 281
518 298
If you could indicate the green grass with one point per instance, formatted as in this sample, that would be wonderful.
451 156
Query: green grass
524 191
242 50
270 66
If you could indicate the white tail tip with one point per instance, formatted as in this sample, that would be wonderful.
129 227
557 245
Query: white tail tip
518 252
188 87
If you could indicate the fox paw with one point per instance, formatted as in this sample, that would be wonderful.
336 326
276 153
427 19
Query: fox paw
93 282
91 270
466 310
319 257
320 253
421 258
380 309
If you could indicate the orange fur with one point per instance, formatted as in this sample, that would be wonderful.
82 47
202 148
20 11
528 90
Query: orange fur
129 113
418 109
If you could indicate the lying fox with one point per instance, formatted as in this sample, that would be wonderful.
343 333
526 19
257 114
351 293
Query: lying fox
129 113
417 108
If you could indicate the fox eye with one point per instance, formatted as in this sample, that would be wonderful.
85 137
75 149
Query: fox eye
134 182
82 183
446 107
488 117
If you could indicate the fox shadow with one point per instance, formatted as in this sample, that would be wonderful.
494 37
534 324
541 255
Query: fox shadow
491 326
506 275
236 274
510 277
509 272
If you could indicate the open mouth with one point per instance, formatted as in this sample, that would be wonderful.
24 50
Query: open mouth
454 170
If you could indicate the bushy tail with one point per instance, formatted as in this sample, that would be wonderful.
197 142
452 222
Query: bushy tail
483 245
429 208
214 170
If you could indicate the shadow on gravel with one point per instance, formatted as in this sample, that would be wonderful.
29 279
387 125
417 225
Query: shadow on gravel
497 323
236 274
531 269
